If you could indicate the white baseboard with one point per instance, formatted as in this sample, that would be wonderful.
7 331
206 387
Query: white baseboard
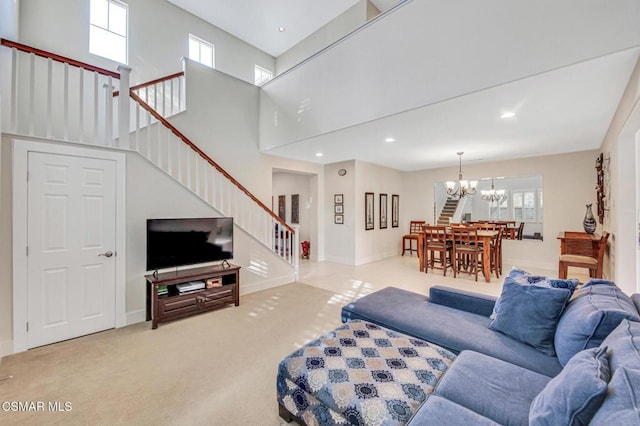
6 348
135 317
341 260
266 284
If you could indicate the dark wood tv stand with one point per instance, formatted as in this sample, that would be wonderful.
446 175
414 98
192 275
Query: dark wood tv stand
175 305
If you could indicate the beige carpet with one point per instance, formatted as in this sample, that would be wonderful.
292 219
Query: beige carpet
217 368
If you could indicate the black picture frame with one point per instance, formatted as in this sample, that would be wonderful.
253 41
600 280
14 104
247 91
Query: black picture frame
338 219
338 209
383 211
369 220
395 211
282 209
338 199
295 208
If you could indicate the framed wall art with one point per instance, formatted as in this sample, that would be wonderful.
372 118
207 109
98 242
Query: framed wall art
383 211
368 211
395 211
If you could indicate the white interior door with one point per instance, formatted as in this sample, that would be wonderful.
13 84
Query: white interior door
71 246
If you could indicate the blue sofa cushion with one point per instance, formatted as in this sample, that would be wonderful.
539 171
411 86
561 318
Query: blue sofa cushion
530 313
622 404
442 412
574 395
596 309
497 389
525 278
412 313
624 345
467 301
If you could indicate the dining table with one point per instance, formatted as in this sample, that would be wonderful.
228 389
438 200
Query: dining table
485 236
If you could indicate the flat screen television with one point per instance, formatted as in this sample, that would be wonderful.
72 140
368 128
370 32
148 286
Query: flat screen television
182 242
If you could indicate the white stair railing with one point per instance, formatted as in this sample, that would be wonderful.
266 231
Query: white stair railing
59 98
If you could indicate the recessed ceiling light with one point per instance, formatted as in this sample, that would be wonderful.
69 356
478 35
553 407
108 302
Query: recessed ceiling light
389 140
319 154
282 29
508 114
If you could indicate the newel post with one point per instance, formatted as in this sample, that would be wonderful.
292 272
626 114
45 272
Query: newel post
124 106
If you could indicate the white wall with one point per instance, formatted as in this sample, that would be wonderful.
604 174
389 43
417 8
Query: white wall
158 37
287 184
378 243
621 149
568 184
329 33
340 239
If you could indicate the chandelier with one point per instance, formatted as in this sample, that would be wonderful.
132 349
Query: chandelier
492 194
461 188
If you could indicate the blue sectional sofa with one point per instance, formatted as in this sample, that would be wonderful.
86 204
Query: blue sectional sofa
578 366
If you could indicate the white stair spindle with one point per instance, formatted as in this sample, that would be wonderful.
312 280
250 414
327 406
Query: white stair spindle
13 123
49 95
65 103
32 84
108 134
189 151
136 144
96 99
169 156
148 131
81 106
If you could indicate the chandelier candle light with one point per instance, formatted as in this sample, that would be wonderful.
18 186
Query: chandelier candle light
461 188
492 194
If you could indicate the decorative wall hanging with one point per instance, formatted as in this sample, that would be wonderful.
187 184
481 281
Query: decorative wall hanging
338 209
282 212
600 187
383 211
295 208
395 210
368 211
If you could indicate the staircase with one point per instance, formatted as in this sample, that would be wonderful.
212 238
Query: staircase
96 107
448 211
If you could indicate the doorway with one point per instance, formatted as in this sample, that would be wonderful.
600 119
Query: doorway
68 216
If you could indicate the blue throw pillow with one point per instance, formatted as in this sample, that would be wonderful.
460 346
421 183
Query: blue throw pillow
620 407
530 313
593 313
526 278
574 395
624 345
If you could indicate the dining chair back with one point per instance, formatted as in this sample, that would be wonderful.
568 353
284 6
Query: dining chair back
593 263
436 240
467 252
415 227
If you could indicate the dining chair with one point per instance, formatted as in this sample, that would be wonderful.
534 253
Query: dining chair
415 227
496 252
594 263
519 231
436 241
467 253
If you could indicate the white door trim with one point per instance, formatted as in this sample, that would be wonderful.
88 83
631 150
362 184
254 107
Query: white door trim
21 149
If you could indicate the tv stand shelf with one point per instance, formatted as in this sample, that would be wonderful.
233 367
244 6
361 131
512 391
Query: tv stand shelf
176 305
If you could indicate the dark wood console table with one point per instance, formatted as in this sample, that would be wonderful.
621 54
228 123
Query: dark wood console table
174 305
579 243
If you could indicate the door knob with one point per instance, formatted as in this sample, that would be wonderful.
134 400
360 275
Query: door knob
107 254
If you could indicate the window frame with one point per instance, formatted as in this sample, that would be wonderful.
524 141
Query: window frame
110 31
202 42
264 71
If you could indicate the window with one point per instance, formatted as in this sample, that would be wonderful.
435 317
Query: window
262 76
527 206
202 51
108 29
499 212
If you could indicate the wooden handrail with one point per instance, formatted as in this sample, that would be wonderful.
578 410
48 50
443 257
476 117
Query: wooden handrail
193 146
59 58
152 82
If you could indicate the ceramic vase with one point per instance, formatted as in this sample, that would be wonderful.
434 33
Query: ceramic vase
589 221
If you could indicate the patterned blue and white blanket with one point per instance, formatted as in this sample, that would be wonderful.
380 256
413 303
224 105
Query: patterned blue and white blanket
360 374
